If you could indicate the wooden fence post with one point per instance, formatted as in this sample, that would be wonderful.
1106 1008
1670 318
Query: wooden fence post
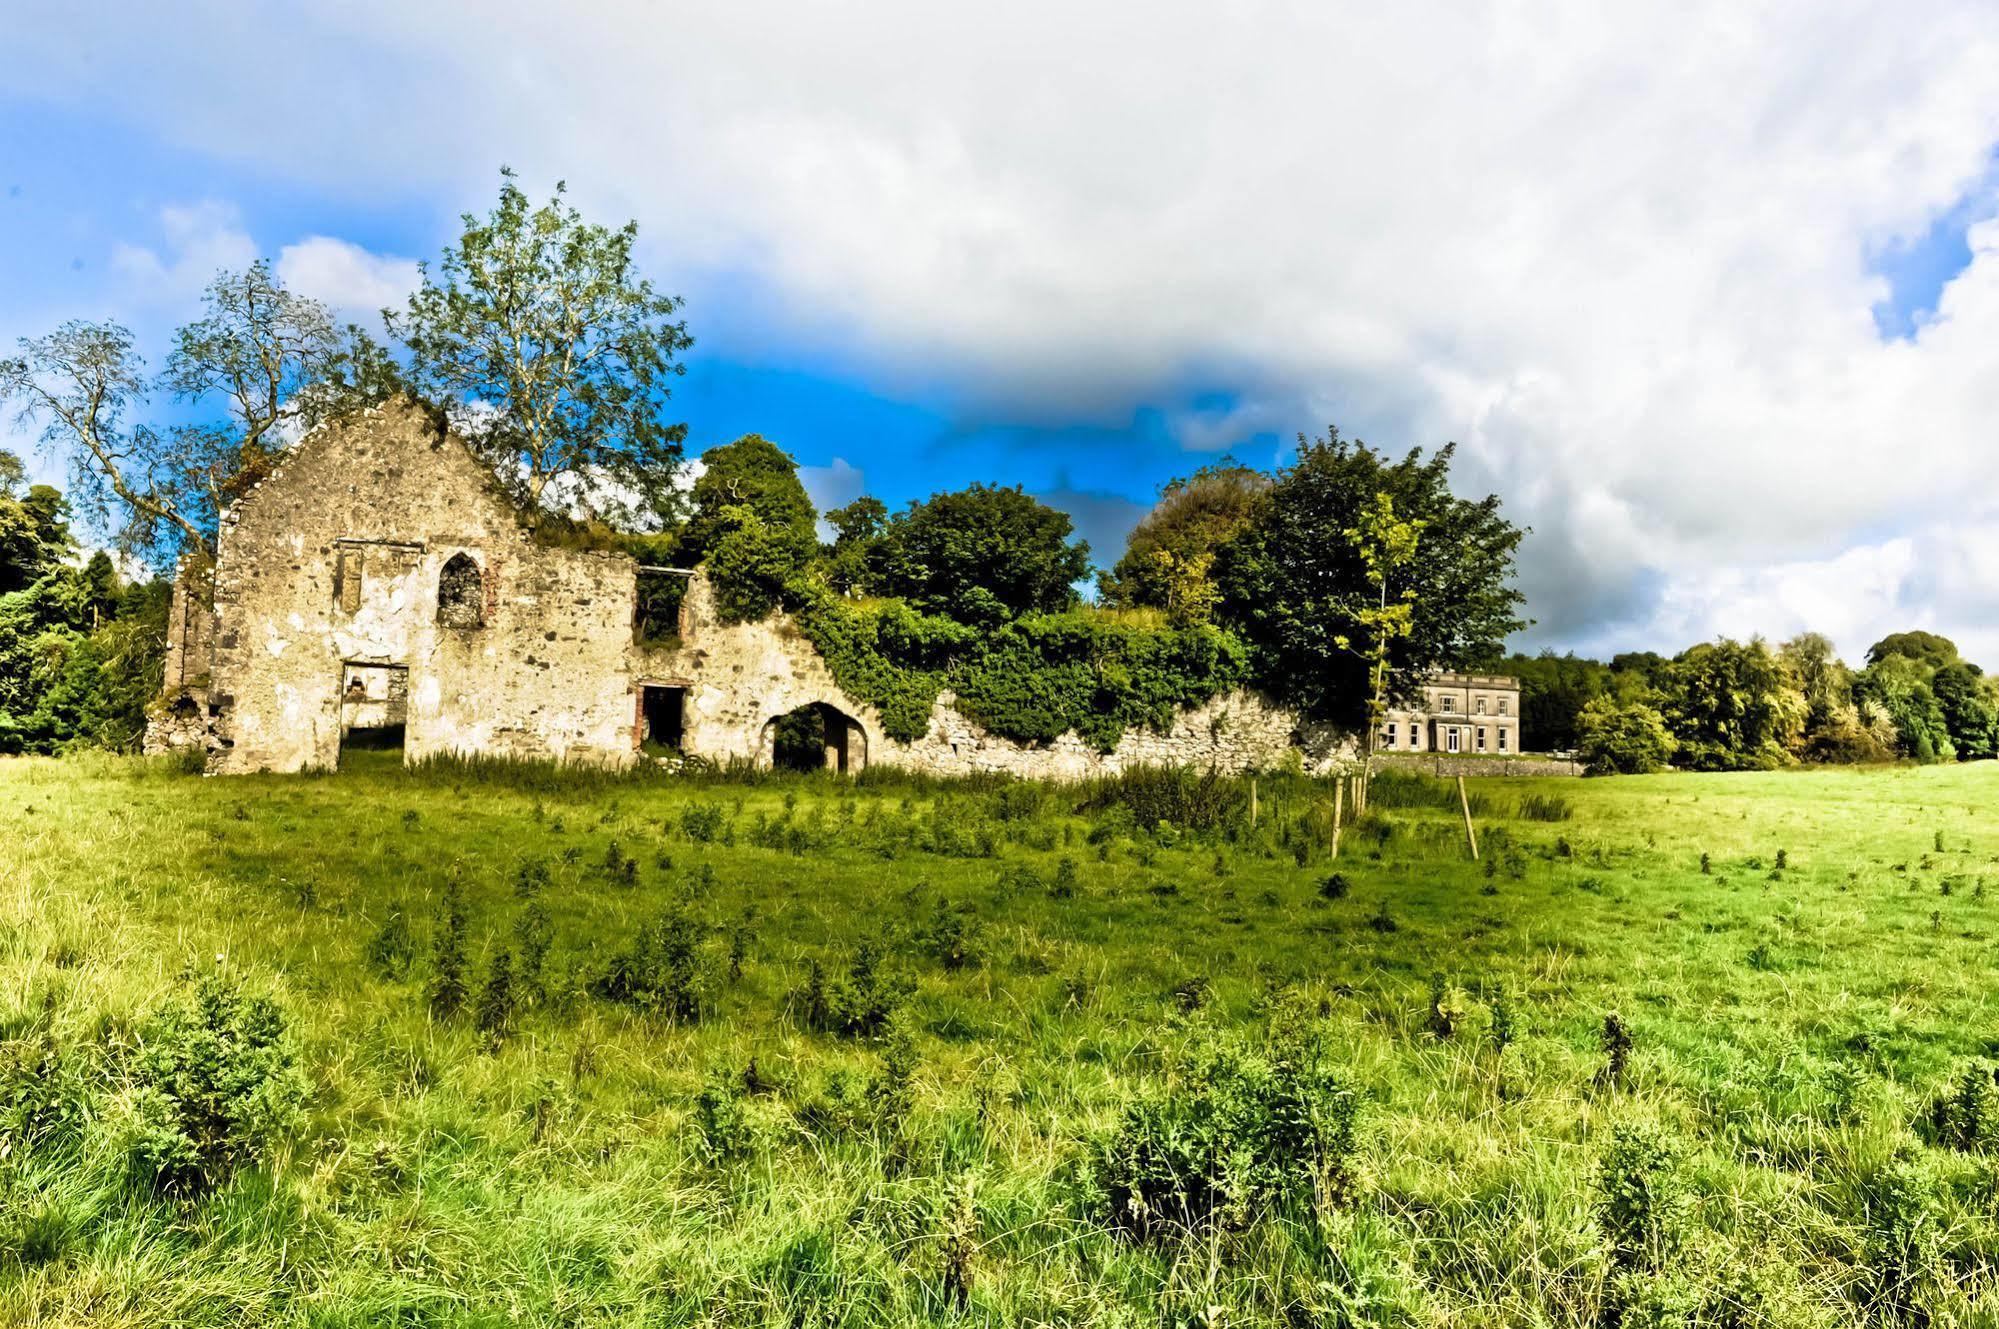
1252 802
1464 801
1339 802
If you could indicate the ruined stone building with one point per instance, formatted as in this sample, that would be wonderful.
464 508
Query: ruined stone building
378 589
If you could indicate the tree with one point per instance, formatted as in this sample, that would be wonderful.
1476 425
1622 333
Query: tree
1970 706
274 362
1168 561
981 555
557 355
1387 545
34 530
1923 647
1732 707
857 532
755 473
1615 739
1293 582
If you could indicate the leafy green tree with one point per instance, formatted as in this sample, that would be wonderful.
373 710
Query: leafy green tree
1387 546
1615 739
752 473
1731 706
1168 561
558 356
856 546
34 527
269 362
981 555
1925 648
1294 583
1970 705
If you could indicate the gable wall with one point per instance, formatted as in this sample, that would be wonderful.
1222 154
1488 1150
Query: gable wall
547 675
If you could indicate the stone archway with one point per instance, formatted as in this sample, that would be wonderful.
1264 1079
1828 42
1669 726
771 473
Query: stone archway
815 736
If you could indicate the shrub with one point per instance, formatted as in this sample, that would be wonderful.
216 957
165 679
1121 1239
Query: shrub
664 972
1246 1136
216 1086
532 938
701 822
1642 1197
42 1097
951 936
1176 796
859 1005
1334 887
721 1119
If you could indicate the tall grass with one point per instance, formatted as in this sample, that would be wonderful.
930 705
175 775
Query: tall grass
1393 1102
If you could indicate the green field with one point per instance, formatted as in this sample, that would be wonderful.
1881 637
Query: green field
1802 963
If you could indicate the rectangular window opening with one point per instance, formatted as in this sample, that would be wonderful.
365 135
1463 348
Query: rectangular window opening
656 605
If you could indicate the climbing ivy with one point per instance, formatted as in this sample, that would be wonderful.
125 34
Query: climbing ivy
1032 679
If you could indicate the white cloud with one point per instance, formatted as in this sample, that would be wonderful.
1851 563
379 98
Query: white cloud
1618 252
343 275
201 239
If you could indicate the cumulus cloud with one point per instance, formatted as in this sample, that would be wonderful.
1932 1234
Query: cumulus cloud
1621 254
200 240
345 276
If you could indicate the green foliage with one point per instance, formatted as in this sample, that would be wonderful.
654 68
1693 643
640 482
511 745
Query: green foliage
665 971
1622 740
757 476
1731 706
1643 1199
447 988
542 317
980 555
860 1003
1295 582
1168 562
1248 1135
1175 796
216 1086
1965 1116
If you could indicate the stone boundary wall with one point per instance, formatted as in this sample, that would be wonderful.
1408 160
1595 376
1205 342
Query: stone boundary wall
1477 766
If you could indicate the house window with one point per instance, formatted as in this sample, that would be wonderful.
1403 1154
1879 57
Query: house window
1447 704
347 581
461 594
1481 705
1481 738
1388 734
1451 739
1502 740
1502 705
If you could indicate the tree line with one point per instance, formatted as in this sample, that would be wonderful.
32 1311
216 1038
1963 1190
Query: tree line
1730 705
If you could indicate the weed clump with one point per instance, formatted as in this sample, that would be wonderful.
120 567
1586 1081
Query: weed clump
664 972
392 950
216 1087
1246 1136
1616 1051
859 1005
1642 1197
1965 1116
447 955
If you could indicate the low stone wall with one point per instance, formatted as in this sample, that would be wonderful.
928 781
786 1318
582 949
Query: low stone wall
1426 764
1232 733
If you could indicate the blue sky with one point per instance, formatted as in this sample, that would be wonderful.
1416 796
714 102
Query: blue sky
1711 316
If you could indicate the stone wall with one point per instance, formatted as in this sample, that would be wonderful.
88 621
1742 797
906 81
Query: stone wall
741 677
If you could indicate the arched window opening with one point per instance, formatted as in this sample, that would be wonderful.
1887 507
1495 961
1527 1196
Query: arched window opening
461 594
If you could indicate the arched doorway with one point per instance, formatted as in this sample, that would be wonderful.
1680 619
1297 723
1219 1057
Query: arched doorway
815 737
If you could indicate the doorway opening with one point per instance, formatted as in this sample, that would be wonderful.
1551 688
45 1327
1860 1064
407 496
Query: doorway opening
374 708
662 718
816 737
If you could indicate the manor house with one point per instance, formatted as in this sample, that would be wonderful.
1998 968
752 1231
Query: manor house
1461 714
378 589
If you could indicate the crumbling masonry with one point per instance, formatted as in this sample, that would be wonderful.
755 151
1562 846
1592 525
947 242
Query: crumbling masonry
377 587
